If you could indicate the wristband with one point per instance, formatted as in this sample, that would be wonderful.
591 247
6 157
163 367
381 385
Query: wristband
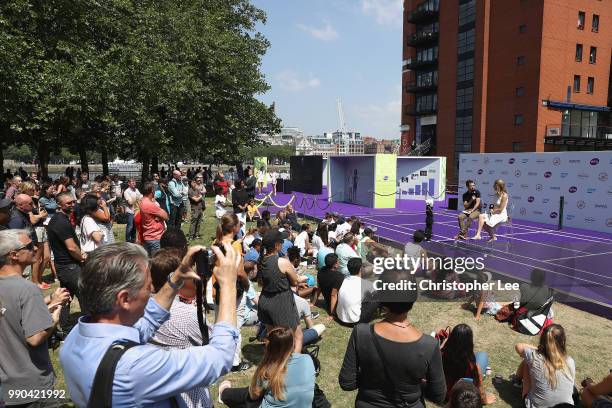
172 284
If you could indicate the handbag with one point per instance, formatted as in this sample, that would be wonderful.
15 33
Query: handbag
443 334
319 399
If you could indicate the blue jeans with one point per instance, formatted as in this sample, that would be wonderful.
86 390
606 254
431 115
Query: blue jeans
482 361
152 247
130 228
310 336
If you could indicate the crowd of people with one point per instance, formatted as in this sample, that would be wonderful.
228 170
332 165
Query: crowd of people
140 339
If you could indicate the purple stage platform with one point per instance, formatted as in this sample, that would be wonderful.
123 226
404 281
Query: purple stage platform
575 260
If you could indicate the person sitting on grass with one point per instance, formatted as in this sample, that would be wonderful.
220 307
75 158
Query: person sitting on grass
284 378
253 213
597 395
352 293
484 299
254 251
324 248
465 395
312 332
446 275
460 361
345 252
307 289
266 218
330 282
547 373
302 241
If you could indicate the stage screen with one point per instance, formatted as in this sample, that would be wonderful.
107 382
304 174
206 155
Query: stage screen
536 181
306 174
421 177
351 179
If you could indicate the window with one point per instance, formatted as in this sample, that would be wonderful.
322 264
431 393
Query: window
590 85
518 120
523 28
520 91
466 41
520 60
593 55
427 54
576 83
581 17
595 26
426 103
463 134
578 52
465 70
465 98
517 147
467 12
427 78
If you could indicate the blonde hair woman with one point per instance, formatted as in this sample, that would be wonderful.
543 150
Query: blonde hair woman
495 215
547 372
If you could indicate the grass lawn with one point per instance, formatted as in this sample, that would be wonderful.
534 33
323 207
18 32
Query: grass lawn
588 339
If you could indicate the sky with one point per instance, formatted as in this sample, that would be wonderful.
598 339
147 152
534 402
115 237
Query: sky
322 50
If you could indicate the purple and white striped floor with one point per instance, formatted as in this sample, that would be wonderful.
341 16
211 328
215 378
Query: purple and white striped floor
575 260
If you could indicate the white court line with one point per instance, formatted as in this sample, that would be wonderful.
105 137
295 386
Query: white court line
577 256
508 253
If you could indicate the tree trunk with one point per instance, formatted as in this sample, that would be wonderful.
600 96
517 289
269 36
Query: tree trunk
43 158
83 157
144 175
104 162
155 164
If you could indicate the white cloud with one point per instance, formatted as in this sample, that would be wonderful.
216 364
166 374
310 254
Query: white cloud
386 12
289 80
325 33
378 120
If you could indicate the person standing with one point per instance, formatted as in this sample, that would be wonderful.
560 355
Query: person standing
152 220
196 194
5 213
26 323
273 178
66 251
471 209
240 199
20 219
132 196
250 182
176 193
13 188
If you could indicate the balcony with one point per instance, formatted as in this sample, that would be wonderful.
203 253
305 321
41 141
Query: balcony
419 64
422 37
412 110
421 86
422 16
597 137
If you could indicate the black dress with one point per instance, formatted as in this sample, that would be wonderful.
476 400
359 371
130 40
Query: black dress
276 304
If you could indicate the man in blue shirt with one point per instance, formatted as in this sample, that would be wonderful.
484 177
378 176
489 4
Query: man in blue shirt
116 287
177 194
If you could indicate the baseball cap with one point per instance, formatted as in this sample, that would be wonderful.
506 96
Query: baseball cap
5 203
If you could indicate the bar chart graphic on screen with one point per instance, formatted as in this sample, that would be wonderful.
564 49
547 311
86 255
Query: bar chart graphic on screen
421 188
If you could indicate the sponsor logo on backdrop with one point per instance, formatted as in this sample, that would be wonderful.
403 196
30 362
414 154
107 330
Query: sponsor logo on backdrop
386 178
516 198
491 171
604 206
504 172
480 171
574 161
498 161
544 161
485 183
580 204
523 211
603 176
486 160
553 214
548 174
511 160
589 219
555 188
463 160
432 170
517 173
530 199
564 175
573 189
583 176
539 187
545 200
570 217
609 222
474 160
556 161
591 190
537 212
525 186
512 185
525 161
532 173
469 171
594 161
610 191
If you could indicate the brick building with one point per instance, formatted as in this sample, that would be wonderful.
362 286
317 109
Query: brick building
506 75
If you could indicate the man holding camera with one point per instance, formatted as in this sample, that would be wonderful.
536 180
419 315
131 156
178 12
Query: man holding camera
116 286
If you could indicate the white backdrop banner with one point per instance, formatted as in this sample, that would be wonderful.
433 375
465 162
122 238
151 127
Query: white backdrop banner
536 181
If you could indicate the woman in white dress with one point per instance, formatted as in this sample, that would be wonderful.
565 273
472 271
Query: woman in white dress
273 177
261 178
497 214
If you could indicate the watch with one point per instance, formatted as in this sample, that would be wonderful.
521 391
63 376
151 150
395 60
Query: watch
172 284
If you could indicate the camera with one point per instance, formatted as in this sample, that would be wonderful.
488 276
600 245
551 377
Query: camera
205 261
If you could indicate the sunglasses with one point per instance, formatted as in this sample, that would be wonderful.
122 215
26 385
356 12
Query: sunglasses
30 247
